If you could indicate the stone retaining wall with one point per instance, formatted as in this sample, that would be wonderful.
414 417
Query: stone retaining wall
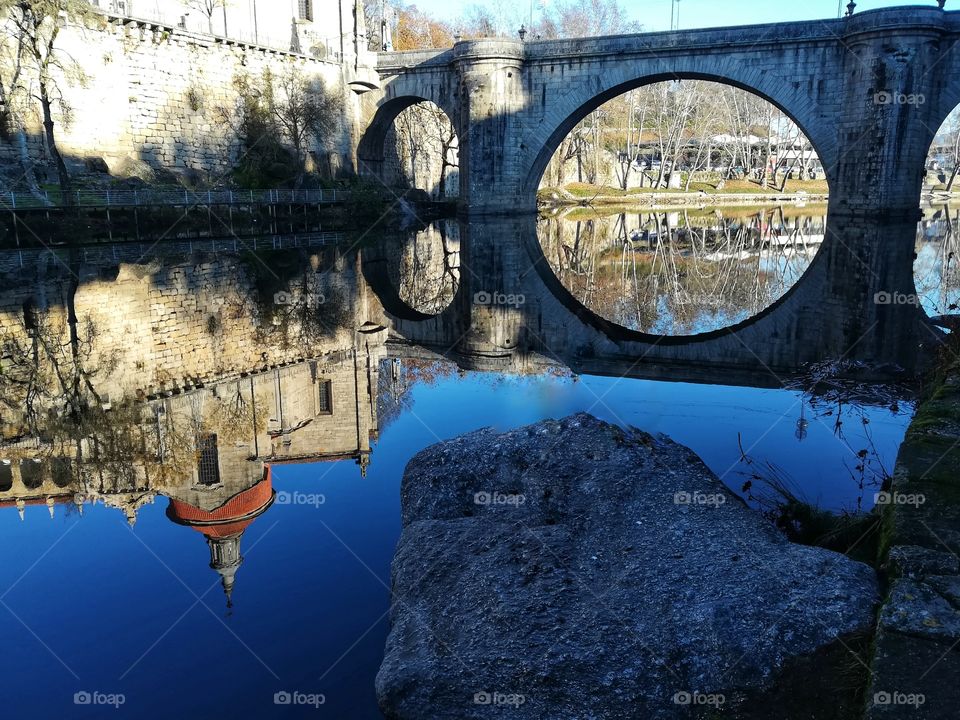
165 98
916 661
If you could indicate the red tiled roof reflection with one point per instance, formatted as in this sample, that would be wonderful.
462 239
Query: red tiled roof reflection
230 518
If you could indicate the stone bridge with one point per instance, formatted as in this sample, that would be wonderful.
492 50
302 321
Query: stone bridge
870 91
512 103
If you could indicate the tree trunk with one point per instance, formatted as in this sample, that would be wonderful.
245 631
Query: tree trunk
66 187
953 178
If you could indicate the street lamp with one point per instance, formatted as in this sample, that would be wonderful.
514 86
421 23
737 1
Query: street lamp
674 14
851 6
522 32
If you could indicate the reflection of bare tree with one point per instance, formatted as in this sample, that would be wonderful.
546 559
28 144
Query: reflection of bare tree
429 268
937 267
397 379
682 273
48 365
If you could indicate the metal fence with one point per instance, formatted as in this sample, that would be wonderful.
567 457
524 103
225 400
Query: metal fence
173 198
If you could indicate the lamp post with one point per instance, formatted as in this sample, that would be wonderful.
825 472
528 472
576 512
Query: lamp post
851 6
522 32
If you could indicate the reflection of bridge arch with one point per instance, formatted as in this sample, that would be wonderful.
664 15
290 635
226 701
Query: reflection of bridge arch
828 314
413 278
611 326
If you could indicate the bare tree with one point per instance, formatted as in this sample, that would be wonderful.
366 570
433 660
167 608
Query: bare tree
425 135
37 25
304 111
207 8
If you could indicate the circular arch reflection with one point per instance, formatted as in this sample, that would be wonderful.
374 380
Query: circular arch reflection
662 261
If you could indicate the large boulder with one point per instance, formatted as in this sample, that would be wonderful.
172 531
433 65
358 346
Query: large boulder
572 569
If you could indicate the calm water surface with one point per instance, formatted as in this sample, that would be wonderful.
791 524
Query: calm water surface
136 610
130 595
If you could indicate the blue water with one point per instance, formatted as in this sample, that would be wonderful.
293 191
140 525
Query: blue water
89 604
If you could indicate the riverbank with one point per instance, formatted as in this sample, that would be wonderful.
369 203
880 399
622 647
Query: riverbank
916 657
735 192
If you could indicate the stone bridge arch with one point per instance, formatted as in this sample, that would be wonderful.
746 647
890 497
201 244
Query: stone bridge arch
794 99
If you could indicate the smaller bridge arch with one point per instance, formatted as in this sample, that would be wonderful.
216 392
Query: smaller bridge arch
433 82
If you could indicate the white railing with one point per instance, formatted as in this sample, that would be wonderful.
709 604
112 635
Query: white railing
180 198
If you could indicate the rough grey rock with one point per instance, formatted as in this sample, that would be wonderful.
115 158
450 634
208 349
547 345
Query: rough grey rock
571 569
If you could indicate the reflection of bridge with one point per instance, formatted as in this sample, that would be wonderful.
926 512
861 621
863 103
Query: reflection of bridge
829 314
841 80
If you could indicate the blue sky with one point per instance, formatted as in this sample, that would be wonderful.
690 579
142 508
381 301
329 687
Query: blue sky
655 14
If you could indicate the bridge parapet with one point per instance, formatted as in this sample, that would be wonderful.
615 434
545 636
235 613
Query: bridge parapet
413 59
